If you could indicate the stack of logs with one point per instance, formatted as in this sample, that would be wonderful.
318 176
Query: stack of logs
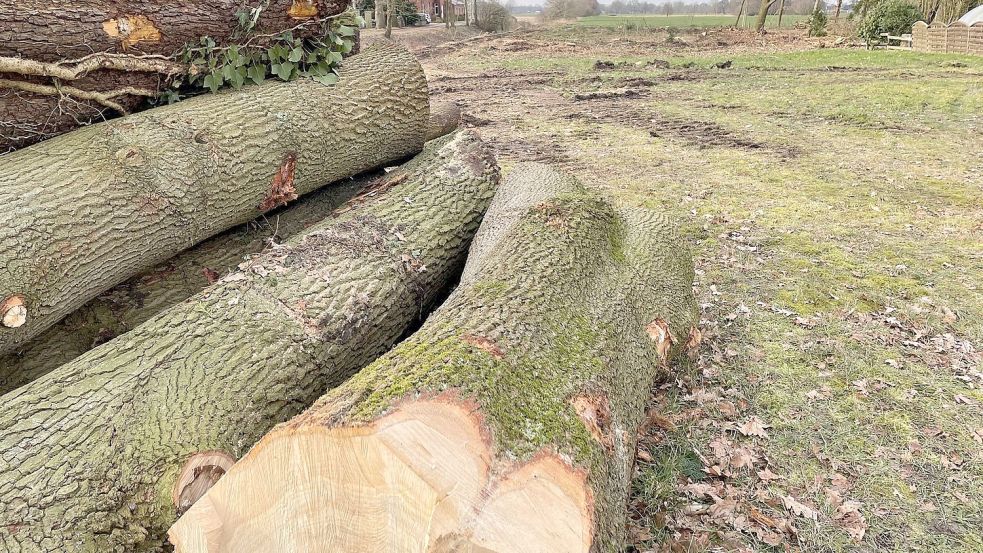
207 316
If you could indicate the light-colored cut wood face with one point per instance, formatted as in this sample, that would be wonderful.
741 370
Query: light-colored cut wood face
421 479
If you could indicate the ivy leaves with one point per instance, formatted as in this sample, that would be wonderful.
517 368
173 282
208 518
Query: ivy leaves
282 56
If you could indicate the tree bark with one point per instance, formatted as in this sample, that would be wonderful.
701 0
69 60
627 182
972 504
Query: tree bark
740 12
759 23
135 301
444 118
390 16
781 12
35 31
87 210
53 30
138 299
507 423
380 14
100 454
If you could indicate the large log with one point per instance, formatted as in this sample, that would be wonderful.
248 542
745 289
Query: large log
135 301
508 423
84 211
34 32
100 454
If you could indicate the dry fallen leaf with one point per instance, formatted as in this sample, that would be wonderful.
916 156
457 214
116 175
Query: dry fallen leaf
849 517
799 509
723 510
767 476
753 427
839 482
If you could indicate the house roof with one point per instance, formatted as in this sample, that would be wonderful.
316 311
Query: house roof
974 15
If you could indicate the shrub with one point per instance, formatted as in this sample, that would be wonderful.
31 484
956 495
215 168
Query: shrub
407 10
888 16
817 22
494 17
569 9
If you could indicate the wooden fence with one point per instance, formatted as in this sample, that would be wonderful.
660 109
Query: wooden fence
957 38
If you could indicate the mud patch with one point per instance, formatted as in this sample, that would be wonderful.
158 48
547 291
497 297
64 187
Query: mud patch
504 81
529 149
470 120
606 65
702 134
607 94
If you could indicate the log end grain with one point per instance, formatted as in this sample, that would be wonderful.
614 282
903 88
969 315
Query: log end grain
13 312
424 477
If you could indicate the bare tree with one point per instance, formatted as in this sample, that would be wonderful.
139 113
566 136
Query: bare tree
759 23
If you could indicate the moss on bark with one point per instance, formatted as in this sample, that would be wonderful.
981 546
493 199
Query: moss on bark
571 312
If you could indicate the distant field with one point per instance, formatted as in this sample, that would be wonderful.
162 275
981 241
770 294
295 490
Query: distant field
681 21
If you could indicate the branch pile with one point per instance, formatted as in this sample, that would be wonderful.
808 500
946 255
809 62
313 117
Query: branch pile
64 63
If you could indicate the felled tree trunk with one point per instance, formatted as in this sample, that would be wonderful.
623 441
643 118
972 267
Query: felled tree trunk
507 423
120 33
138 299
444 118
85 211
135 301
100 454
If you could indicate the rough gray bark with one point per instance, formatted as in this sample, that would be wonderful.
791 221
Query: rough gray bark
508 422
64 30
90 454
84 211
135 301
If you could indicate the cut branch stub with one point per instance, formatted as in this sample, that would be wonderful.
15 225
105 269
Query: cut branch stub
199 474
13 312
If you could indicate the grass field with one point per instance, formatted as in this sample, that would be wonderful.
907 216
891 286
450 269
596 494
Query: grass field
680 21
833 200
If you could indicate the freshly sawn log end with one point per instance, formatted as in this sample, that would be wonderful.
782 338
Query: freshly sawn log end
13 312
508 423
428 468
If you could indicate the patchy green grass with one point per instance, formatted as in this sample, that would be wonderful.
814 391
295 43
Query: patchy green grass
693 21
839 261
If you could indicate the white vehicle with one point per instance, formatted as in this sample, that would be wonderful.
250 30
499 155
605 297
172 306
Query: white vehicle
423 19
